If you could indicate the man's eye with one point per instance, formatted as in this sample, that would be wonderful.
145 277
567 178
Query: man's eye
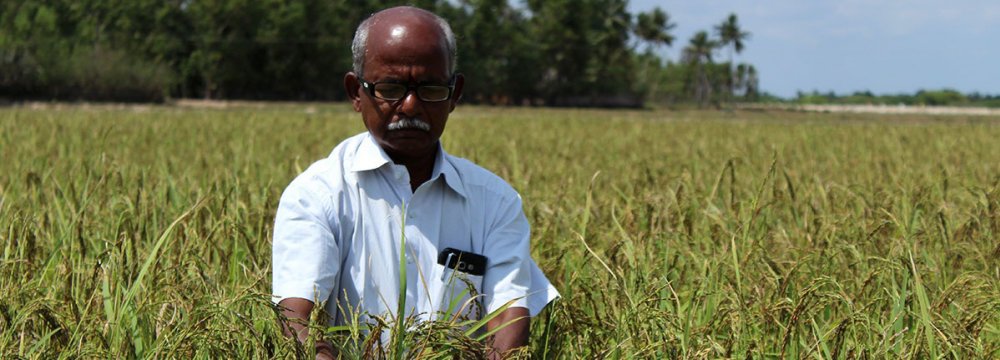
389 90
434 92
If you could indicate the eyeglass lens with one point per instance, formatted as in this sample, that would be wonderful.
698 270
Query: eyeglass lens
390 91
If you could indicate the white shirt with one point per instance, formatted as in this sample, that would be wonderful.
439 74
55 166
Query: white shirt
339 227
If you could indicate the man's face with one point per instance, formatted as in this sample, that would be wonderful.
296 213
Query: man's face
408 50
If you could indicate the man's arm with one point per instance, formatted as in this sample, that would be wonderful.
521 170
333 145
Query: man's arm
304 253
297 311
512 336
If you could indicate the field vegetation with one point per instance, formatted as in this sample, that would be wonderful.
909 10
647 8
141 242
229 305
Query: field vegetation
144 232
555 52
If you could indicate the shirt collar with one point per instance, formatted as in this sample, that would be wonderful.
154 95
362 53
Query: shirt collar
371 156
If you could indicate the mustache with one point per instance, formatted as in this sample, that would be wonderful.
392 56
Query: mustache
409 123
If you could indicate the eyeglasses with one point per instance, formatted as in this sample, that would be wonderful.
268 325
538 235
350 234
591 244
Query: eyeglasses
395 91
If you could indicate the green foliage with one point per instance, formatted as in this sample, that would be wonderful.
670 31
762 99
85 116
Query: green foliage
654 27
943 97
70 50
731 34
560 52
144 232
580 41
497 52
940 97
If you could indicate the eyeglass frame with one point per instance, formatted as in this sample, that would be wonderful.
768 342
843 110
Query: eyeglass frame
370 89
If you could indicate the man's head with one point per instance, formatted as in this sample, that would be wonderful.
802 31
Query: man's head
403 82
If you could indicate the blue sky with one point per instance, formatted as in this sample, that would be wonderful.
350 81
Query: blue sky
885 46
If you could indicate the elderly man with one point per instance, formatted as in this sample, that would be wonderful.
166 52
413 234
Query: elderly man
342 224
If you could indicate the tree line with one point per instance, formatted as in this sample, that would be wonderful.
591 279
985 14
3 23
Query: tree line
553 52
942 97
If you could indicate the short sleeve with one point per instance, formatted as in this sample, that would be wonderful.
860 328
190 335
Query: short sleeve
305 257
511 274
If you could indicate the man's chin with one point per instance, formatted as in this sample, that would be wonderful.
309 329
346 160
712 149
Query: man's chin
409 146
407 134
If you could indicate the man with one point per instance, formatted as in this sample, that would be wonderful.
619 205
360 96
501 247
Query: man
340 224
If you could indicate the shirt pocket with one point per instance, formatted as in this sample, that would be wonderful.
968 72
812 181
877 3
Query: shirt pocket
459 294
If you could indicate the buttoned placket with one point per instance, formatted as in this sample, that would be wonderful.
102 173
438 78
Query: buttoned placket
401 186
413 203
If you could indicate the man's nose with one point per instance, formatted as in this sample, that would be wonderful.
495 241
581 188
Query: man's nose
410 103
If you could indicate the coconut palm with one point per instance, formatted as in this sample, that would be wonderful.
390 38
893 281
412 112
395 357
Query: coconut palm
700 49
730 34
698 54
739 78
654 28
752 83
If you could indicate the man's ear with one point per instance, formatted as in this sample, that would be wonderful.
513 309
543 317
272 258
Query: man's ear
456 94
353 87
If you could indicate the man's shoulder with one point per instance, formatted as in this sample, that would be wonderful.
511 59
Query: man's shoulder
348 147
327 174
481 180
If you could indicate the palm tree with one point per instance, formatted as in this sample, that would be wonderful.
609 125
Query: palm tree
700 49
752 83
654 28
731 35
739 78
698 54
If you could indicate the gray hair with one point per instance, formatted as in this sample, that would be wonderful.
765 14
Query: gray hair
360 44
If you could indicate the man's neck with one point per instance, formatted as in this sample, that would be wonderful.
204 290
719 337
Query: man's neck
420 168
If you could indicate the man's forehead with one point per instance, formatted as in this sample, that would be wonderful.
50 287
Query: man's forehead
402 38
403 12
405 25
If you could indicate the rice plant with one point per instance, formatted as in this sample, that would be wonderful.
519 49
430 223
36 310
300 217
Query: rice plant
144 232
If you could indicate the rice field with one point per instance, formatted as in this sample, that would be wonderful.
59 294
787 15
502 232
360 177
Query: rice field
144 232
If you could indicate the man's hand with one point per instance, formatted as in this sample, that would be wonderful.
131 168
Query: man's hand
513 335
297 311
